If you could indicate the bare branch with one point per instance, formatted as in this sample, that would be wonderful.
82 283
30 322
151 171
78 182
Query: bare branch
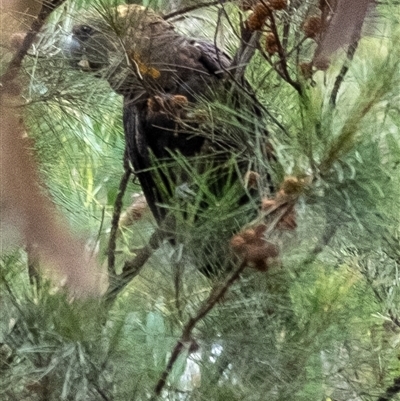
215 296
343 71
112 243
134 266
193 7
15 63
248 45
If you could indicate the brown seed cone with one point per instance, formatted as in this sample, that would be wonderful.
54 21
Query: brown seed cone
256 20
292 185
253 248
306 70
257 255
322 64
238 243
267 204
288 221
155 104
179 100
249 235
312 27
271 44
251 179
278 4
134 212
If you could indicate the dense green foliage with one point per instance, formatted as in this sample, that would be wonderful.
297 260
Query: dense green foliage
323 323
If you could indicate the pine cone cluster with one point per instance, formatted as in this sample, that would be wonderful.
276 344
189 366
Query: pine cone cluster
251 245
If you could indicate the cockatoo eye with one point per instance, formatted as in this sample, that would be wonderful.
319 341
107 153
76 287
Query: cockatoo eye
87 29
83 32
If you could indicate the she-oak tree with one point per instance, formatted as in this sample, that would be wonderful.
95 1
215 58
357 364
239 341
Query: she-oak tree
281 332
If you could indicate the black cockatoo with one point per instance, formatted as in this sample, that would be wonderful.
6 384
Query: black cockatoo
161 75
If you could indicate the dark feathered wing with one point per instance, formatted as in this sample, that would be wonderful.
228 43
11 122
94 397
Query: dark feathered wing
151 135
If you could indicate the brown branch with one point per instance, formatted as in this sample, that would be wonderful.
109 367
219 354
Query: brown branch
343 71
248 46
329 232
215 296
286 31
282 57
15 64
277 213
245 52
275 64
237 77
112 243
239 63
193 7
33 266
134 266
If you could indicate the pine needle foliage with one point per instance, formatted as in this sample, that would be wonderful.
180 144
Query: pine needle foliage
321 321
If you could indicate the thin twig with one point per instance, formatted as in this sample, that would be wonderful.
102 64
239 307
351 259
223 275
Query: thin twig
329 232
99 231
33 266
237 78
282 57
248 46
193 7
215 296
133 267
274 65
242 56
343 71
103 395
112 243
286 31
239 63
15 64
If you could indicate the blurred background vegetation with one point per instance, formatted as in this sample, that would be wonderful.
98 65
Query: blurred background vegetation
322 324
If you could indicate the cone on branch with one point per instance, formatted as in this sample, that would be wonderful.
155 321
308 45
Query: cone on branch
255 250
271 44
312 27
277 4
306 70
258 18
